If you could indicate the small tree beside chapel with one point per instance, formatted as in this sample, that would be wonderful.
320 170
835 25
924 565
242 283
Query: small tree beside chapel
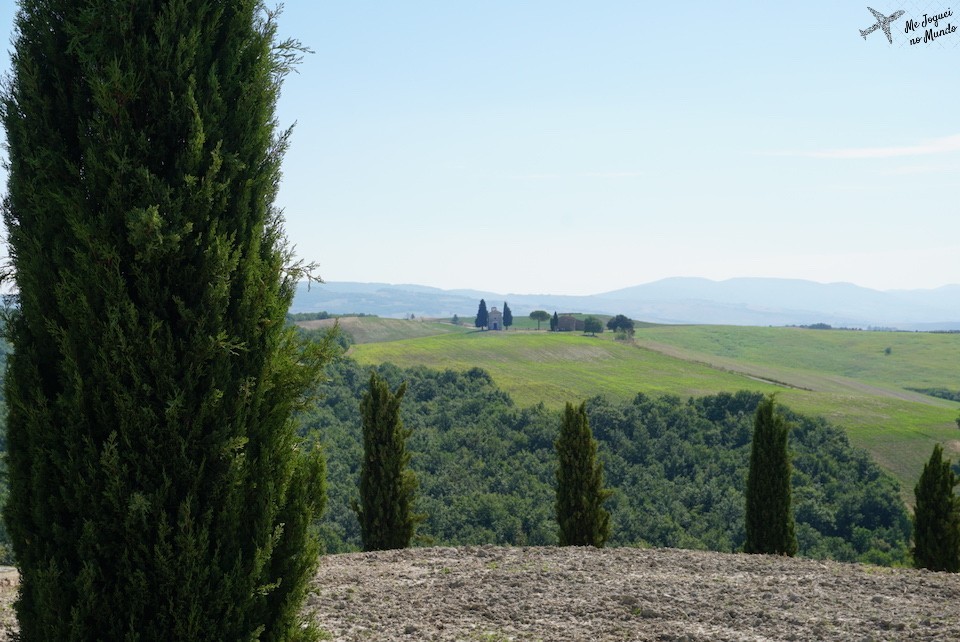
507 316
483 317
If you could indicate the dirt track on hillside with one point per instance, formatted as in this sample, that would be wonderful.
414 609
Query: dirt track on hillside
492 594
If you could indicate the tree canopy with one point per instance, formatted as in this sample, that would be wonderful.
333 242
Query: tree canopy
620 322
936 517
486 469
592 325
582 519
507 316
539 316
769 515
387 485
157 487
483 317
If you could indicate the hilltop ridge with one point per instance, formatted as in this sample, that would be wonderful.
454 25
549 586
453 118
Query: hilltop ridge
741 301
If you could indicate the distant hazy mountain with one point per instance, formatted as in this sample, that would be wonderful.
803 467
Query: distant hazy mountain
746 301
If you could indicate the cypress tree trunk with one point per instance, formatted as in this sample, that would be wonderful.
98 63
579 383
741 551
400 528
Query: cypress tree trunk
157 491
936 518
387 485
580 492
769 515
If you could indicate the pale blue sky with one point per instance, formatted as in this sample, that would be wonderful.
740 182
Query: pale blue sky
580 147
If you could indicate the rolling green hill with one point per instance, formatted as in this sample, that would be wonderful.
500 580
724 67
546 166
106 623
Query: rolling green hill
847 377
377 329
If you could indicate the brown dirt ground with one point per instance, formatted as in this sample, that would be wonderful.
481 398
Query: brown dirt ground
492 594
566 594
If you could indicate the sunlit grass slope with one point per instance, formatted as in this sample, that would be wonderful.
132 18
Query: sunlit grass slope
847 377
558 367
899 359
376 329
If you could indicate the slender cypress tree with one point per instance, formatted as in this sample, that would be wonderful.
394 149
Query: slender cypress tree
507 316
554 322
936 518
483 316
580 493
769 515
387 485
157 488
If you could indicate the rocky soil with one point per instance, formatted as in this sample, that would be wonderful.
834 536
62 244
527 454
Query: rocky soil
491 594
560 594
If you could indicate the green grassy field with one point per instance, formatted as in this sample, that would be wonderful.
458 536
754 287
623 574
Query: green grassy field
378 329
847 377
558 367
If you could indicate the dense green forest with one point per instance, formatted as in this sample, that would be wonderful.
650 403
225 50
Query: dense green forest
678 469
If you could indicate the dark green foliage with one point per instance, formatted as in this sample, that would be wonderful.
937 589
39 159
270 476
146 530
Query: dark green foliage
769 515
309 316
320 316
539 316
592 325
157 487
507 316
580 493
936 518
620 322
486 469
6 550
942 393
387 485
554 322
482 315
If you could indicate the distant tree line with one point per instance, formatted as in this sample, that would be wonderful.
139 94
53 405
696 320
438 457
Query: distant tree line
942 393
294 317
823 326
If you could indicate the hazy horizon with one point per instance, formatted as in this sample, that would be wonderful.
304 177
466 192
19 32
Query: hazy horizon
601 290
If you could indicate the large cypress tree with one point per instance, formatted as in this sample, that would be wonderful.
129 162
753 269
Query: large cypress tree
769 514
387 485
483 317
507 316
580 493
157 488
936 518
